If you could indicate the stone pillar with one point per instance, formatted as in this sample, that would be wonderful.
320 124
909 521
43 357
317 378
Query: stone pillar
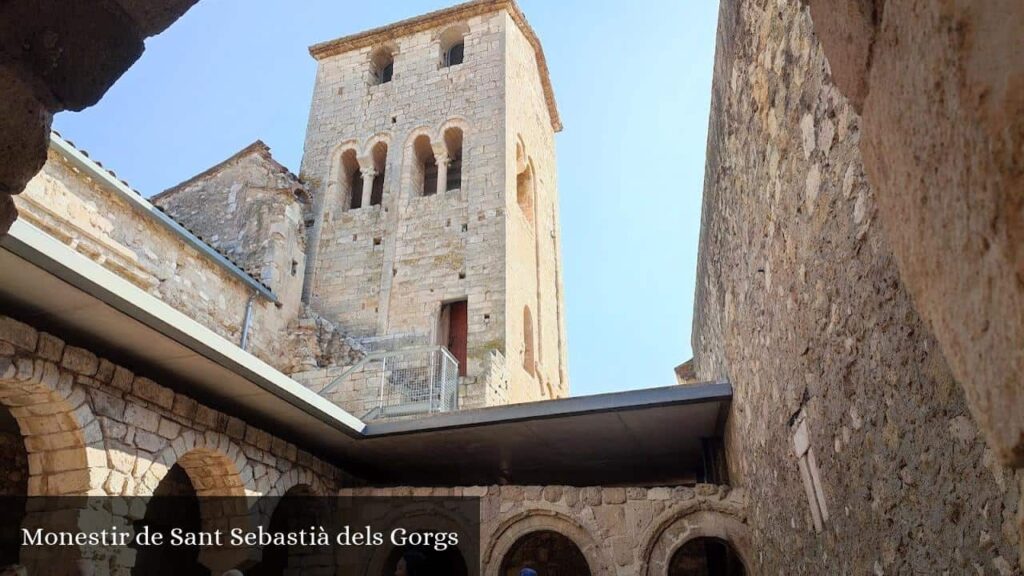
368 175
442 171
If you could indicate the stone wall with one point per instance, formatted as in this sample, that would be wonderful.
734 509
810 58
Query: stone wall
847 428
533 231
253 210
91 427
938 86
624 531
94 427
80 209
387 269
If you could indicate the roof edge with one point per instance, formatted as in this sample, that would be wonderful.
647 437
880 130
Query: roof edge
259 147
436 18
134 199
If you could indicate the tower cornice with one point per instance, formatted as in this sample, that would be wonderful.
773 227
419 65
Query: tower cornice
437 18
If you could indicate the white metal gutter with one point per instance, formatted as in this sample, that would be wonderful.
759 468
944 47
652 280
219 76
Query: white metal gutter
51 255
134 199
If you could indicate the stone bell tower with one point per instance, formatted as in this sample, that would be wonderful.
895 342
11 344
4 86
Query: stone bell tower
430 154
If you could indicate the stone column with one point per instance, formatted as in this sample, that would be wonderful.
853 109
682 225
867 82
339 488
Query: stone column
442 171
368 175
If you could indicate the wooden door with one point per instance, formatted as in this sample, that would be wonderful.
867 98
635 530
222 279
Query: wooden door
458 332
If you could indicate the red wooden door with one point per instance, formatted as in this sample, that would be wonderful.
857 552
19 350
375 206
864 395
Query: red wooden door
458 333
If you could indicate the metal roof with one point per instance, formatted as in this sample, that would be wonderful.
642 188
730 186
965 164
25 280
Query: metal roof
650 436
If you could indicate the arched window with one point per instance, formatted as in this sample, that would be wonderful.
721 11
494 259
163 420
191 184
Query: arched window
380 160
546 552
351 180
525 192
453 45
528 355
383 65
453 143
424 175
706 556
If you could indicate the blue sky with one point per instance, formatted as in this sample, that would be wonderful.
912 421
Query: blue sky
633 84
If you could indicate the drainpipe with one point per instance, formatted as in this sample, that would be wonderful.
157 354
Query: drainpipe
247 323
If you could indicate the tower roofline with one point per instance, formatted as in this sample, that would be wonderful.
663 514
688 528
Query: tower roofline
437 18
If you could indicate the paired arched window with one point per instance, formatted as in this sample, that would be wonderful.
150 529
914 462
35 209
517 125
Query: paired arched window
357 187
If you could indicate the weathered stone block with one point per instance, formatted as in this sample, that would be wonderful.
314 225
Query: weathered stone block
169 429
80 360
122 378
148 390
20 335
142 417
50 347
614 496
108 405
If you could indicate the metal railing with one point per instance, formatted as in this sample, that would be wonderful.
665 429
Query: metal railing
409 381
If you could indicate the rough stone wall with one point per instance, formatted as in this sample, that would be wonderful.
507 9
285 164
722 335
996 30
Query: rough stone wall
387 269
801 306
534 239
253 210
83 212
91 427
627 531
94 427
940 89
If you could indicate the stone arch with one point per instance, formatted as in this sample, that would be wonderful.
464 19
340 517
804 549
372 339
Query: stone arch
449 42
511 530
372 141
526 192
382 63
65 446
299 506
343 163
420 162
215 464
219 477
680 525
298 477
418 516
375 162
452 135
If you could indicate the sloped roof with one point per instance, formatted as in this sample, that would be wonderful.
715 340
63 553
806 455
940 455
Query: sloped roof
258 147
81 157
